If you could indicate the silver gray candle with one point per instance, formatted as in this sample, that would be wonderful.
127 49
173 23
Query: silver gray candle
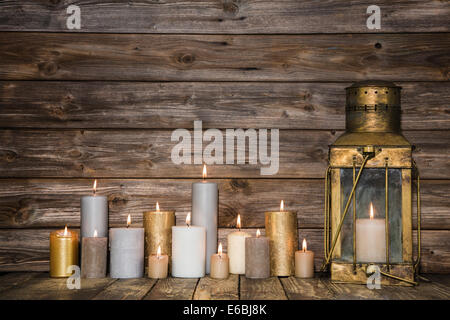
127 252
205 199
94 214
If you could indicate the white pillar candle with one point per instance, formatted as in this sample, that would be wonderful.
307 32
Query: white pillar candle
127 252
188 251
236 249
204 213
94 214
304 262
371 239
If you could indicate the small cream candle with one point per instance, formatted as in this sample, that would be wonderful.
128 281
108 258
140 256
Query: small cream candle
304 262
371 239
219 264
157 265
236 249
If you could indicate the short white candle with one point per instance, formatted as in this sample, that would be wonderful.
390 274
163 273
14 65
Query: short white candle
304 262
371 239
236 249
127 252
188 251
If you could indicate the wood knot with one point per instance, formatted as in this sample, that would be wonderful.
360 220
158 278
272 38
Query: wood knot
8 155
48 68
308 108
117 199
76 154
231 8
239 184
186 58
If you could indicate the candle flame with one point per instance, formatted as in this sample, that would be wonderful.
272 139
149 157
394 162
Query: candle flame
128 220
65 231
219 250
188 219
95 233
282 205
158 252
94 187
204 172
258 233
371 211
238 222
304 247
157 206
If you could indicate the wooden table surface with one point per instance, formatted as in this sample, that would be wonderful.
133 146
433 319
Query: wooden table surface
19 286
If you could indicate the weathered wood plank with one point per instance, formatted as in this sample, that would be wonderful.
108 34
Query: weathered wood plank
28 249
218 289
41 203
67 104
424 291
207 16
147 153
13 279
75 56
45 288
173 289
261 289
126 289
353 292
306 289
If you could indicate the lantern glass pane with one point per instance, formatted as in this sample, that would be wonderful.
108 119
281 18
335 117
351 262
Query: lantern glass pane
371 189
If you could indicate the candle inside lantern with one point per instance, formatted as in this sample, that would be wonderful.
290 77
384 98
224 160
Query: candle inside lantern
93 256
188 250
257 258
236 249
158 265
158 232
219 264
63 252
94 214
371 239
304 262
205 197
127 251
281 229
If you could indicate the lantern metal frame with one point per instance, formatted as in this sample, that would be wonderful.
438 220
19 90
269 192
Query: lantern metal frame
372 140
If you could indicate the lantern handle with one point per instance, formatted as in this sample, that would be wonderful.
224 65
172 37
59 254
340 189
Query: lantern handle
419 235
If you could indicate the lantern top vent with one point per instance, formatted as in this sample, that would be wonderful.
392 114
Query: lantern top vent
373 106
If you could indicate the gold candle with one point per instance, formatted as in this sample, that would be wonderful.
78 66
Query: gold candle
281 229
63 252
158 232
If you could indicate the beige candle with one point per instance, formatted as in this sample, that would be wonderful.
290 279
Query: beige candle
236 249
219 264
371 239
257 259
158 265
304 262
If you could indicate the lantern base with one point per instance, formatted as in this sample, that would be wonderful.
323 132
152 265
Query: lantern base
343 272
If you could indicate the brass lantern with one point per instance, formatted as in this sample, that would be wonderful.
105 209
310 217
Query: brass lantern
368 192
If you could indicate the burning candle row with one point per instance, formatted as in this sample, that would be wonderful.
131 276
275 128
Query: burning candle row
188 251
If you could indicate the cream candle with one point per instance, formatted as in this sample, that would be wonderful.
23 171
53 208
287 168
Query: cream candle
371 239
127 251
236 249
219 264
205 199
94 214
157 265
257 259
188 250
304 262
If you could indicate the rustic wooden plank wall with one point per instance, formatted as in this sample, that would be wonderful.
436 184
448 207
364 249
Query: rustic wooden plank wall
102 101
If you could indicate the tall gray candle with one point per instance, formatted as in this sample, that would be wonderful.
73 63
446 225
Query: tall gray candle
93 256
127 252
94 214
205 197
257 259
